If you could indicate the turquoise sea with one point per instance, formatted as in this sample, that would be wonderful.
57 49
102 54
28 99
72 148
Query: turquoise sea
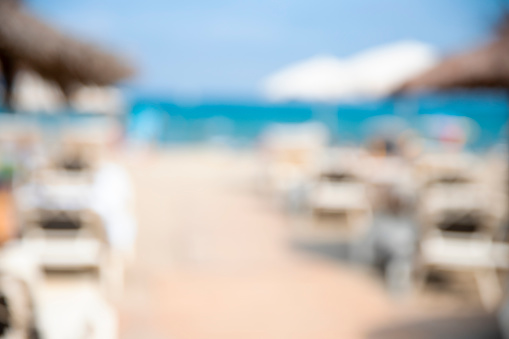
239 124
168 123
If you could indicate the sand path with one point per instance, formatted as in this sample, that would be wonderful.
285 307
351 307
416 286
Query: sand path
214 261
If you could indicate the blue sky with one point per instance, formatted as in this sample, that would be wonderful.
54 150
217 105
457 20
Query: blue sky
224 48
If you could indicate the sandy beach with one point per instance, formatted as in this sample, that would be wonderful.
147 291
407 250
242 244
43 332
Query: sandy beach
214 260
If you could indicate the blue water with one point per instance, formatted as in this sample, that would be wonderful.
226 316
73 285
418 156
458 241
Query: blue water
241 124
168 123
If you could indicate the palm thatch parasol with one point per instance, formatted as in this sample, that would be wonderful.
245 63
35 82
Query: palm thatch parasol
26 42
485 67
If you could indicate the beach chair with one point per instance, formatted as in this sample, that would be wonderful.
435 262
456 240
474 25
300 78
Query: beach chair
50 304
65 240
342 198
74 157
291 158
460 222
19 279
75 222
16 309
55 218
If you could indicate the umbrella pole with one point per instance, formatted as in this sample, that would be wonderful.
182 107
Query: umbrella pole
9 72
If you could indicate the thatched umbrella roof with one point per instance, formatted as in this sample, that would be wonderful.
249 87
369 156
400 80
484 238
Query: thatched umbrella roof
485 67
26 42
